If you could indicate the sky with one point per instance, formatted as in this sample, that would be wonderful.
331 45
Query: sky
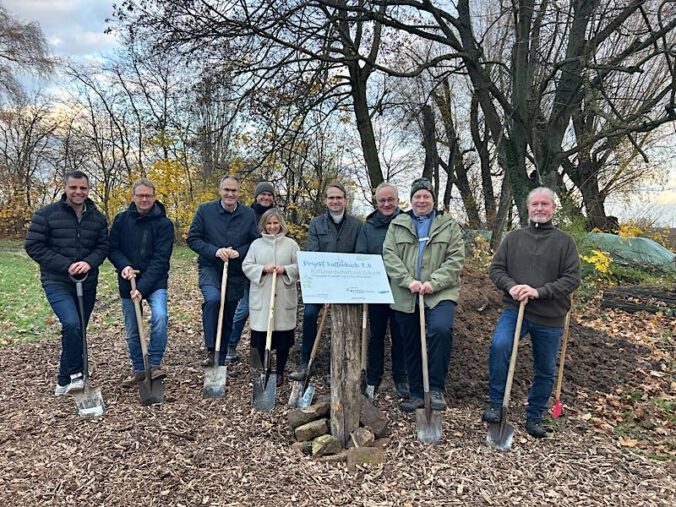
75 29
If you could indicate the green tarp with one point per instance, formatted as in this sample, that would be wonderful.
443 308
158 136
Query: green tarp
639 252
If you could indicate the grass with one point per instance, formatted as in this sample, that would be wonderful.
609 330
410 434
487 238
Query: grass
25 314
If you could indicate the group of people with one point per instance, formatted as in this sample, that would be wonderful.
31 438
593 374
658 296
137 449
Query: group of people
423 252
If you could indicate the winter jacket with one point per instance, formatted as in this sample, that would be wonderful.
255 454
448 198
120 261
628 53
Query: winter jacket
324 236
276 250
143 242
443 259
56 238
545 258
212 228
372 234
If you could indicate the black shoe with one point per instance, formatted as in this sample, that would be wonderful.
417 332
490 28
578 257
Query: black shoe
232 355
437 401
492 414
402 389
411 404
534 429
299 374
208 360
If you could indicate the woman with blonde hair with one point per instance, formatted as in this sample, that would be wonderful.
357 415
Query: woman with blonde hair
273 252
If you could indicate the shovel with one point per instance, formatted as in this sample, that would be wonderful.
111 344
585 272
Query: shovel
150 391
364 346
265 384
303 392
427 422
500 435
557 409
88 402
214 377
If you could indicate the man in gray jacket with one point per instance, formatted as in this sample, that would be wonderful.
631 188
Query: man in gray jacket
334 231
538 264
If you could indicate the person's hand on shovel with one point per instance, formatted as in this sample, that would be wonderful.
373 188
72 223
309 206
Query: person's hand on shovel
128 273
523 292
227 253
418 287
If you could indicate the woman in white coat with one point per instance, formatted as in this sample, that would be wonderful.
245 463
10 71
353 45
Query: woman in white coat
273 252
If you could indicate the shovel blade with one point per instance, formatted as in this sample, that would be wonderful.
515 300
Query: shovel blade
89 402
151 392
264 394
306 399
296 392
557 409
214 382
500 437
428 426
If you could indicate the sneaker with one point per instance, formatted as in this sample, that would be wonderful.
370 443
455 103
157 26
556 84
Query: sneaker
232 354
411 404
208 360
437 401
492 414
299 374
134 379
156 373
76 384
370 392
402 389
534 428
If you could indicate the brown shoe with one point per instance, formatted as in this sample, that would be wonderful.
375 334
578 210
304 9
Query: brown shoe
280 379
156 373
134 379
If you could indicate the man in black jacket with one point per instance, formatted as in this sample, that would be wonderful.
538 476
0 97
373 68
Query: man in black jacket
141 239
538 264
69 239
334 231
221 231
370 241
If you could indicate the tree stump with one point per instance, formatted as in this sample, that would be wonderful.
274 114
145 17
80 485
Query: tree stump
345 370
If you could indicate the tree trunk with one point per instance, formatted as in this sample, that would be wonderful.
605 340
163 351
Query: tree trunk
430 143
345 370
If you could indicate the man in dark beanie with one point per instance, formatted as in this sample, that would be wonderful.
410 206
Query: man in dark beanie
424 254
264 199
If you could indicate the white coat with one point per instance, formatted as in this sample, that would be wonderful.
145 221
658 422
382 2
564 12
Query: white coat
276 250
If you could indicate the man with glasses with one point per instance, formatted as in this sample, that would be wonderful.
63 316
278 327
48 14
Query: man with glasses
68 239
221 231
141 239
370 241
333 231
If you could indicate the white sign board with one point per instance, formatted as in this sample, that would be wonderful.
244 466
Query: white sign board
343 278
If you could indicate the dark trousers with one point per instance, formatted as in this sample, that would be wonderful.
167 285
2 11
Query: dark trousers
439 322
210 306
379 317
63 300
310 315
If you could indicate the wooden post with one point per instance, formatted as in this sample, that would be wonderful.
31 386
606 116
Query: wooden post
345 370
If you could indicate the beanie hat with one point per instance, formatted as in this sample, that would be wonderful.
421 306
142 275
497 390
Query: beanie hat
264 186
422 184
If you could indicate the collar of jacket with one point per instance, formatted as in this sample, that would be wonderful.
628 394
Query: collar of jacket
377 219
88 204
540 227
409 224
259 208
158 210
222 209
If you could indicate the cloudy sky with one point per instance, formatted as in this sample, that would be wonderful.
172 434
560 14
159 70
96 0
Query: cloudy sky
75 29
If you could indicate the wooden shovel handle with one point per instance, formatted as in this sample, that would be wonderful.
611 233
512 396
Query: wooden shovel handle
423 344
315 345
512 359
219 330
139 316
364 339
562 358
271 314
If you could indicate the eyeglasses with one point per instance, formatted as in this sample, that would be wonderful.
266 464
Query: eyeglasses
229 190
386 201
145 196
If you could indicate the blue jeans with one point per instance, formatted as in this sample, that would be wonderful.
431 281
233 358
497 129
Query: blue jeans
379 316
212 301
241 314
545 340
439 321
63 300
158 330
310 314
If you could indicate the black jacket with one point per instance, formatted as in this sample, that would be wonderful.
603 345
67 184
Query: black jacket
56 239
143 242
324 236
212 228
372 234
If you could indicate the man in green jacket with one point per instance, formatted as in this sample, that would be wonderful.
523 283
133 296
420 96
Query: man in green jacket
538 264
424 254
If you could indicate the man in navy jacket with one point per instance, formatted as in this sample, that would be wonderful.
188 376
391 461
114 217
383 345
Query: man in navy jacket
141 239
221 231
69 239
